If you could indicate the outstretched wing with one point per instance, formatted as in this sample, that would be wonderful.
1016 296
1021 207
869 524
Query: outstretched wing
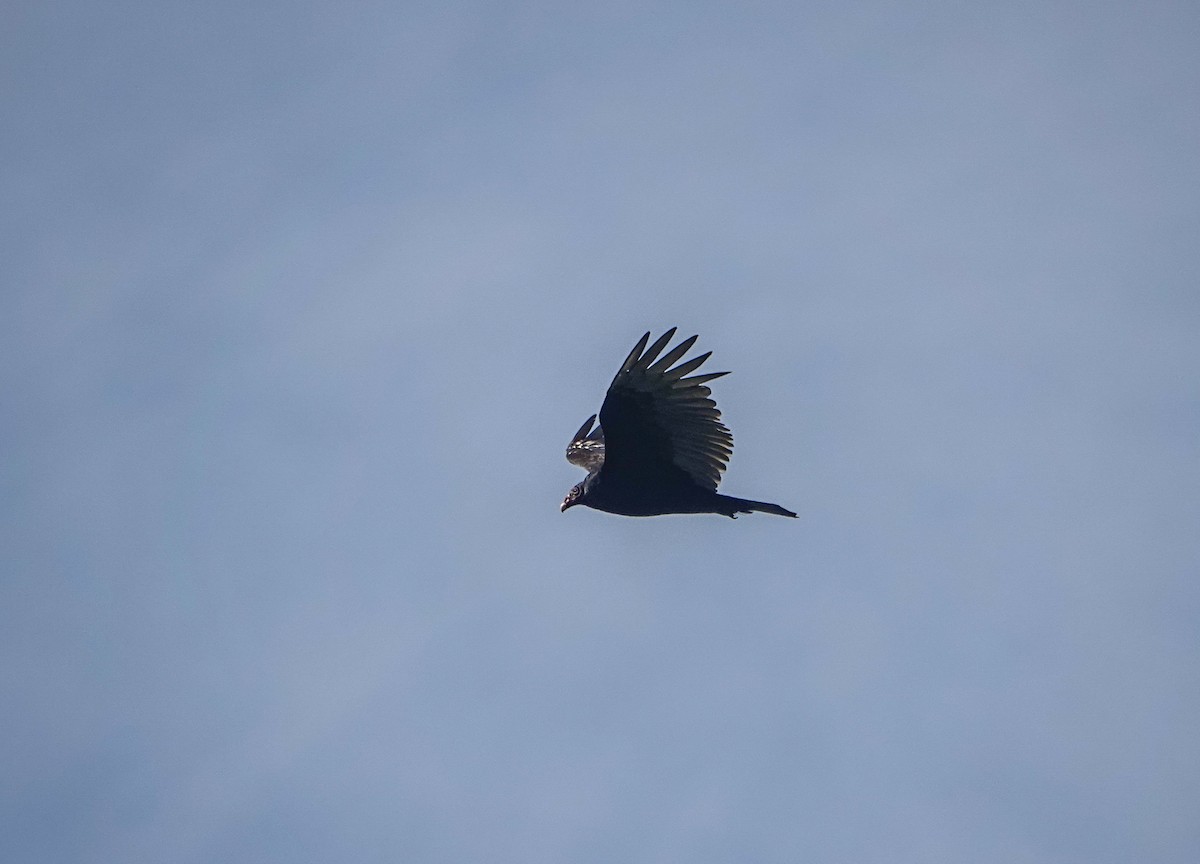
587 447
658 422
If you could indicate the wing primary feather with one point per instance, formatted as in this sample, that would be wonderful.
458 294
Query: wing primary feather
654 350
684 368
698 379
635 353
584 429
674 354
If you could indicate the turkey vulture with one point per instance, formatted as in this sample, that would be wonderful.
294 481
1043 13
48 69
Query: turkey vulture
660 446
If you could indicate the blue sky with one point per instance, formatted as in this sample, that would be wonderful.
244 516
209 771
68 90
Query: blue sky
302 303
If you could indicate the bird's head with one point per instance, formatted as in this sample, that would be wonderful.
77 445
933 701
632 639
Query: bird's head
575 496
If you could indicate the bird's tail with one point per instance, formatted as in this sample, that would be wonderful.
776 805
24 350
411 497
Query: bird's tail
731 506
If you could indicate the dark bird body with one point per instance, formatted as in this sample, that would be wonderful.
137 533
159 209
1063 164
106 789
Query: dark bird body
661 446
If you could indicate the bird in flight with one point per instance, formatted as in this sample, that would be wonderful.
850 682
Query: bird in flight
660 446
